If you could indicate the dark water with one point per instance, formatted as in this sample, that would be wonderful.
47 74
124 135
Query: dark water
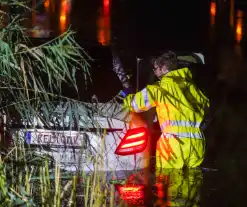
142 28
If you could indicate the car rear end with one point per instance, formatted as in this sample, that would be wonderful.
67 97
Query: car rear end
102 137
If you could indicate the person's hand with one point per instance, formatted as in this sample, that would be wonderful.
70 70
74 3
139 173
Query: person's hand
125 92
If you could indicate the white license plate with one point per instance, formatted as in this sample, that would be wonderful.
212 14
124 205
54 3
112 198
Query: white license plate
55 138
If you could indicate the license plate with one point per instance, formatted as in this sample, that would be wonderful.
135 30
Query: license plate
54 138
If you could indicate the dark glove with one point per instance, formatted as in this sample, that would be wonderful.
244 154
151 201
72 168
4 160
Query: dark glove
125 92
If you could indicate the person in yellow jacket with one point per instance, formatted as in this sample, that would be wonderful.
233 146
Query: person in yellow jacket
180 108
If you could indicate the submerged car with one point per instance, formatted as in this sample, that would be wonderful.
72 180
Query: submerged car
98 134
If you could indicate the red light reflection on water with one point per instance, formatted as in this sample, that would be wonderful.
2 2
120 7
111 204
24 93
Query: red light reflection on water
63 17
213 10
104 24
239 26
132 194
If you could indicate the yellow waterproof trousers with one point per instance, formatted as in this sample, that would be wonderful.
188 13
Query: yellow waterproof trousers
178 153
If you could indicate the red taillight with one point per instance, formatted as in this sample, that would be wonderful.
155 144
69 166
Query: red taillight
131 192
134 141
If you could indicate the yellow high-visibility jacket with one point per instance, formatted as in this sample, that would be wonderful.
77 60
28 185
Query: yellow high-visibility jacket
180 105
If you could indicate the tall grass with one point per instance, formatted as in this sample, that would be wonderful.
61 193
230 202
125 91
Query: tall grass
28 178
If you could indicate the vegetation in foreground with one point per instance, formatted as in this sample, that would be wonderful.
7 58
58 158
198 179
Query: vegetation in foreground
26 177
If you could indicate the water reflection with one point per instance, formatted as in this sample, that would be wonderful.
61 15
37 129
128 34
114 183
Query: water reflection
64 15
172 188
104 23
232 11
47 4
132 194
178 187
239 25
239 32
43 22
212 13
40 24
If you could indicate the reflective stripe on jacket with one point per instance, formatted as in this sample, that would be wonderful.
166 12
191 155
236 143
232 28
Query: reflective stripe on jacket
180 105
